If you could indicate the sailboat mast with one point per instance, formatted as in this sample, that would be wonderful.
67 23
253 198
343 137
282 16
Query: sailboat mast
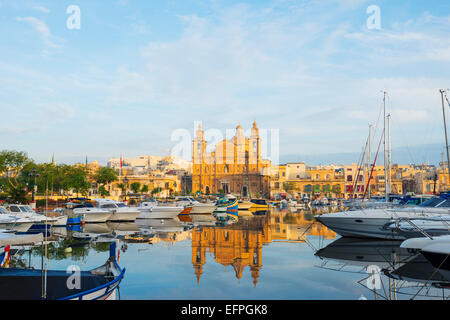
368 158
389 152
384 145
445 130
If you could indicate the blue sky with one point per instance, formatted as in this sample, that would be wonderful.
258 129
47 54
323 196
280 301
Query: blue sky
138 70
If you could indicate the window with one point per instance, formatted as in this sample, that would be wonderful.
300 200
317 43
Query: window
284 174
349 178
108 206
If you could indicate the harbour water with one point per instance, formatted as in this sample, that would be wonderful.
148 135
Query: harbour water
282 254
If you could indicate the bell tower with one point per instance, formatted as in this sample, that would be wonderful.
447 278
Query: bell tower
255 149
198 155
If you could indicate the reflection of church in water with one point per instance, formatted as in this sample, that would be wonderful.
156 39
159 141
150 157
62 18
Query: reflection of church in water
238 246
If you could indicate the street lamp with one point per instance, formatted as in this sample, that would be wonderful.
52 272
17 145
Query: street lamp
34 173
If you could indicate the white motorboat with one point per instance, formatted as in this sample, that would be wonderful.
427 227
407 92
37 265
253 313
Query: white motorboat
10 222
93 215
416 228
374 223
120 211
153 210
26 212
435 249
197 207
86 212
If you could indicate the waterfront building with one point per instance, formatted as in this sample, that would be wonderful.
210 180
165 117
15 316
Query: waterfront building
340 181
234 166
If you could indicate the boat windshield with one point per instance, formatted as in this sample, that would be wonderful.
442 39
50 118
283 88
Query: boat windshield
22 208
3 210
436 203
28 209
121 205
14 209
108 206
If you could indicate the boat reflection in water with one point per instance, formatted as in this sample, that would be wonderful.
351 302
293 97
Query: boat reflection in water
389 271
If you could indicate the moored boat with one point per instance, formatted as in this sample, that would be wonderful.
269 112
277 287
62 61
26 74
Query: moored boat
97 284
375 223
152 210
89 213
197 207
120 211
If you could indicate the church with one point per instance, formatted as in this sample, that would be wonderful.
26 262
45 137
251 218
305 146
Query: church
234 166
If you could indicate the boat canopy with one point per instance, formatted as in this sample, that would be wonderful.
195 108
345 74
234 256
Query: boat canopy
436 203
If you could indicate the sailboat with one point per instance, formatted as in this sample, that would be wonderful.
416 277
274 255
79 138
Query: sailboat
374 223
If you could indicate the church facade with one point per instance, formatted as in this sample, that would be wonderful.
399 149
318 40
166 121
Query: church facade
234 166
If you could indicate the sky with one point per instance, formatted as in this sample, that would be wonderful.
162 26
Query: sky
134 72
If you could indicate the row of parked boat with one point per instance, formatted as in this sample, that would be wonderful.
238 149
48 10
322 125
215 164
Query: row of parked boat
424 227
22 218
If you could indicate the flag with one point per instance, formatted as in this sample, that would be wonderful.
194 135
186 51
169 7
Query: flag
120 164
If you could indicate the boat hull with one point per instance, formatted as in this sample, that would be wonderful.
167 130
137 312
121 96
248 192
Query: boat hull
244 205
360 227
124 216
203 209
19 227
96 217
369 223
160 213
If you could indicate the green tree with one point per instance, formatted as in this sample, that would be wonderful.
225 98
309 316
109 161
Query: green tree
156 191
135 187
103 191
15 184
12 162
105 175
144 188
122 187
77 178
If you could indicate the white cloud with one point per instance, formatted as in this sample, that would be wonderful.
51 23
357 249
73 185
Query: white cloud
41 27
41 9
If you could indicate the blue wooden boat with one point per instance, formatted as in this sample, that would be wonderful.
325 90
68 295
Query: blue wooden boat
97 284
233 210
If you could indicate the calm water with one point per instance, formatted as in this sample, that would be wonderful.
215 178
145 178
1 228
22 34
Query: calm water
281 255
